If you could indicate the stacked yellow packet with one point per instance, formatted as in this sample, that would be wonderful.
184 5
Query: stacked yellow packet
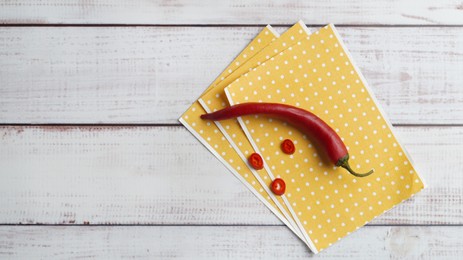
210 136
215 99
322 203
318 75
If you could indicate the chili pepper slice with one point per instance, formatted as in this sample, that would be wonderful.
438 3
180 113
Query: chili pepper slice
306 121
288 146
256 161
278 186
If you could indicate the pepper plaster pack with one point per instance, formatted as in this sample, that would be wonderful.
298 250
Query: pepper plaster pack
309 74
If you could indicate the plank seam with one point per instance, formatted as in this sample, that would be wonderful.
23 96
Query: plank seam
217 225
174 125
230 25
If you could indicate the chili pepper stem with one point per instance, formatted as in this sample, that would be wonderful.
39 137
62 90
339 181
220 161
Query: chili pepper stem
344 163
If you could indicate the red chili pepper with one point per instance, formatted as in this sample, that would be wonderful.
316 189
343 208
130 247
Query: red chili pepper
278 186
304 120
256 161
288 146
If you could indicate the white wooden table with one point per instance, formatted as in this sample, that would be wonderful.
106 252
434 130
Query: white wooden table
93 162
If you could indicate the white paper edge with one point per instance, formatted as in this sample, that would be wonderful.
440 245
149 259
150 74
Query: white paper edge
272 30
304 27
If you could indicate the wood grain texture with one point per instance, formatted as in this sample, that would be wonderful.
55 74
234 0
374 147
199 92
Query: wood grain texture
232 12
152 74
119 175
156 175
264 242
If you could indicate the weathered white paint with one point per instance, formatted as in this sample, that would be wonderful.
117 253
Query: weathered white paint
152 74
233 242
232 12
162 175
155 175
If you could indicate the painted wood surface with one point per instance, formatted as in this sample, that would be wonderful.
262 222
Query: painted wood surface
156 175
138 191
232 242
232 12
152 74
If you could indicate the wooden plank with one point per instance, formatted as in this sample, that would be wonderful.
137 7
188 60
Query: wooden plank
233 242
157 175
152 74
231 12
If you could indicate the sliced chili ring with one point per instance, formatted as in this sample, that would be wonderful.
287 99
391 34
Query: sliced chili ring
288 146
278 186
256 161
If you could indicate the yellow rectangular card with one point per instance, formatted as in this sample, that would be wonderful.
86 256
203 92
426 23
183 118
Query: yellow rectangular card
215 99
318 74
212 138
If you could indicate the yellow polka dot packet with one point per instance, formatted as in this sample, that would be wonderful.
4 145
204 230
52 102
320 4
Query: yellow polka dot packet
211 137
215 99
318 74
